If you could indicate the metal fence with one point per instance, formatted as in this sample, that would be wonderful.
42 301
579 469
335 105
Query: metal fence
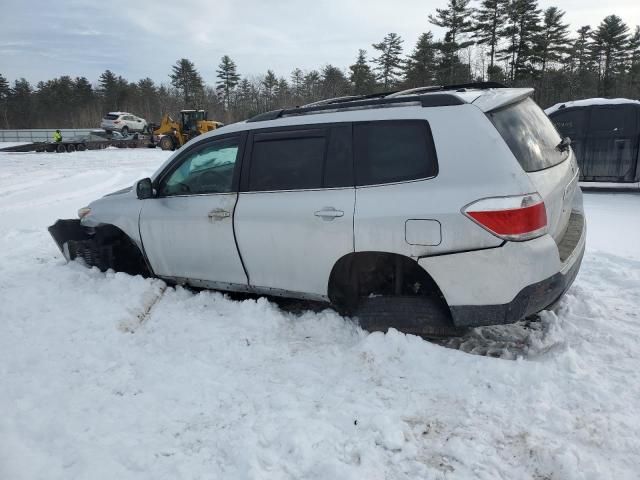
39 134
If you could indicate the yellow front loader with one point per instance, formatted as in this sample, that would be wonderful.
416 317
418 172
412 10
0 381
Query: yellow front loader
192 123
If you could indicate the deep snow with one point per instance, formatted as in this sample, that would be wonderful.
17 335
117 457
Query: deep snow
203 386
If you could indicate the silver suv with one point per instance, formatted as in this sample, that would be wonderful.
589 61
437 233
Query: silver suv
124 123
424 210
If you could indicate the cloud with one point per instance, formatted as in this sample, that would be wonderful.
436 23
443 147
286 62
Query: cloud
144 38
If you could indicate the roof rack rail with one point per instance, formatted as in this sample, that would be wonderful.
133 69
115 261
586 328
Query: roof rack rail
432 100
442 88
348 98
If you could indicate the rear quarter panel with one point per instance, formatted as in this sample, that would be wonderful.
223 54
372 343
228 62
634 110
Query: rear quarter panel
473 163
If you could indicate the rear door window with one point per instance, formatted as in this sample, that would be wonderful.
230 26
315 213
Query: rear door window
299 159
529 134
393 151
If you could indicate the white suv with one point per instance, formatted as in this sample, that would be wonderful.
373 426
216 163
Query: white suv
424 210
124 123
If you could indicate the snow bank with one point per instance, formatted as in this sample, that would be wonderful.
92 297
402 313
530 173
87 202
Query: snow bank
104 375
590 101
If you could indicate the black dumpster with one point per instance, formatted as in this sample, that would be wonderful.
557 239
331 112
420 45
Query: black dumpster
605 136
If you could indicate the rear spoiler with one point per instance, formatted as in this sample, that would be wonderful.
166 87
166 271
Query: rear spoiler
494 99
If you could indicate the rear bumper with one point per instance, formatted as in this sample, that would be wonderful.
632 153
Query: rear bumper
505 284
530 300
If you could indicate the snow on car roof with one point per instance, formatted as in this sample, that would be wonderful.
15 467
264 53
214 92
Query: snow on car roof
588 102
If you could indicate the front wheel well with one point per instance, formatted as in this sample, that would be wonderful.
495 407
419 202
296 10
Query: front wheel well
363 274
109 247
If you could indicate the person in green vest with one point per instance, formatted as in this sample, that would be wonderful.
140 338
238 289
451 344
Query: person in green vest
57 136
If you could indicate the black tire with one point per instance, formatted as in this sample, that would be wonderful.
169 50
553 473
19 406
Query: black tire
60 148
81 147
125 131
71 147
423 316
50 148
166 143
132 144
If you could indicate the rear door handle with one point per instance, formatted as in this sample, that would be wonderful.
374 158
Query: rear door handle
329 213
219 214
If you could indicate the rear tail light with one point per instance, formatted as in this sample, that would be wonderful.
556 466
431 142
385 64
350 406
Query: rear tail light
515 218
116 121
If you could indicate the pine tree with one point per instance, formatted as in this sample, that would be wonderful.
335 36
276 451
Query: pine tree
21 101
583 80
551 42
580 49
456 19
228 78
421 64
108 89
609 48
269 84
186 79
634 64
488 19
5 91
333 82
312 86
297 85
282 92
522 27
362 79
389 63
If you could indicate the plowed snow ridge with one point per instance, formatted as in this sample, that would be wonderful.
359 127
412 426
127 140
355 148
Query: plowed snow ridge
208 387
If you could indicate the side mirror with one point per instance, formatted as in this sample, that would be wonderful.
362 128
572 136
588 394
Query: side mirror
144 189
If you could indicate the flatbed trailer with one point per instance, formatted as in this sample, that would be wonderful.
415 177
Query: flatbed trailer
83 144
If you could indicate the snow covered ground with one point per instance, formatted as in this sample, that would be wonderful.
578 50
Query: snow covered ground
205 387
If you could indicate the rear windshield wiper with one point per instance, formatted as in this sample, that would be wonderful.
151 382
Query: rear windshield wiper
564 144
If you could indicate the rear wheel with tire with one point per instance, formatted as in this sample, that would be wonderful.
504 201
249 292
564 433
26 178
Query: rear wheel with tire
125 131
81 147
425 316
61 148
71 147
166 143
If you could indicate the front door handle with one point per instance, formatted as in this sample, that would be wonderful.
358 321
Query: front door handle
329 213
219 214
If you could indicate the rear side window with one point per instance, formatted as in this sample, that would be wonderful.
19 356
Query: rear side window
393 151
529 134
111 117
302 159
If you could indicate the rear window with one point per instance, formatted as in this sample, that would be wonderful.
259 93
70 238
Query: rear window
393 151
110 116
529 134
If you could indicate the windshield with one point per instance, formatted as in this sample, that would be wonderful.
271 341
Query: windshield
530 135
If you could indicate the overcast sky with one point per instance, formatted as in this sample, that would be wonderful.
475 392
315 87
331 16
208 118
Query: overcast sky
40 39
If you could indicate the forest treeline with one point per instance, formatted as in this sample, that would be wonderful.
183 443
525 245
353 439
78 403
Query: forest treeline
510 41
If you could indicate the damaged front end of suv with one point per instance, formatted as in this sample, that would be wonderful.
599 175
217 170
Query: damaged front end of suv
99 242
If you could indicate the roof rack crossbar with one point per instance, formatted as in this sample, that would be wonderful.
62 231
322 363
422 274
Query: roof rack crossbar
432 100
